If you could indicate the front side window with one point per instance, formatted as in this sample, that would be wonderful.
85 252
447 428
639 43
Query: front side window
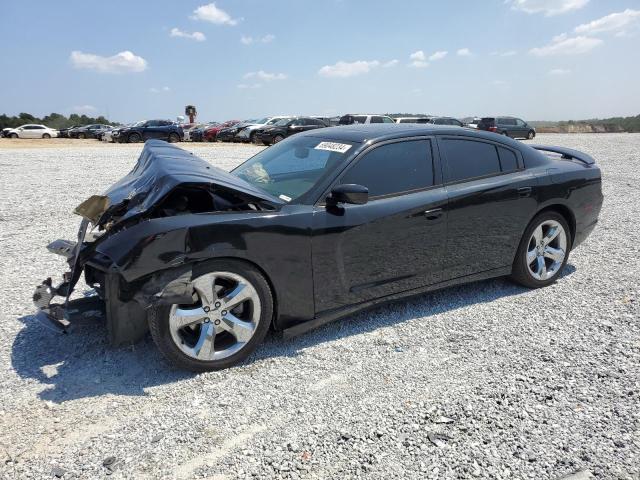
469 159
520 123
291 168
394 168
387 120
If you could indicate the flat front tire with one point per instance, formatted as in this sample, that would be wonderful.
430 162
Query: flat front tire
229 318
543 251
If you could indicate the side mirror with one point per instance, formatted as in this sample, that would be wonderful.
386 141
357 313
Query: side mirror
348 193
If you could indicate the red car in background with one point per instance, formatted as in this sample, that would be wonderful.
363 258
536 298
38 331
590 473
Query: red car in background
211 133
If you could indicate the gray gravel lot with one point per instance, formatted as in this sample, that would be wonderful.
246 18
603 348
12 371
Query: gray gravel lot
487 380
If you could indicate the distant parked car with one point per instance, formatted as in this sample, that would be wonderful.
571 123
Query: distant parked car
32 131
151 129
508 126
229 134
87 131
445 121
248 133
351 119
286 127
99 133
211 133
196 134
412 120
64 132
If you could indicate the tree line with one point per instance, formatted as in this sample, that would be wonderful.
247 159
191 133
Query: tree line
53 120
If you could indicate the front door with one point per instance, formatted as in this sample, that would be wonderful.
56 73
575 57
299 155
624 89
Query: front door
395 242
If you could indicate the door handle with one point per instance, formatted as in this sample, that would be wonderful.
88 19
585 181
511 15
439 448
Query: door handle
433 214
524 191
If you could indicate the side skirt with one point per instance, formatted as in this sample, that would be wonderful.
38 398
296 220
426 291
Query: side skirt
333 315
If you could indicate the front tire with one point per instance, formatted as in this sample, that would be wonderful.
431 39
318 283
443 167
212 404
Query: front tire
531 135
134 138
13 135
174 138
543 251
46 136
82 136
278 139
229 318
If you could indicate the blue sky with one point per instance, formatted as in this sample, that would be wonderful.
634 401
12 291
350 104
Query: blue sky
131 60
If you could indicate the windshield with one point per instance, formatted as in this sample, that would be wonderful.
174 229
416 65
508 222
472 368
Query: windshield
290 169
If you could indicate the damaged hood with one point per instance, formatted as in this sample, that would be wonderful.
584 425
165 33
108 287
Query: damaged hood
160 169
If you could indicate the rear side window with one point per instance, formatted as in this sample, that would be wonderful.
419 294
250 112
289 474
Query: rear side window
394 168
508 159
469 159
359 119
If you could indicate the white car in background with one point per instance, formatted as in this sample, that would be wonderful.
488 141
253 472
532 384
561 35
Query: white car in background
364 119
247 133
32 131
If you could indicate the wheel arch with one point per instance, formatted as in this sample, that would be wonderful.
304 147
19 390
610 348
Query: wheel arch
566 212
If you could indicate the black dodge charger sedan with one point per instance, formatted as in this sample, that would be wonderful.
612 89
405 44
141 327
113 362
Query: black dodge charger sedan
151 129
316 227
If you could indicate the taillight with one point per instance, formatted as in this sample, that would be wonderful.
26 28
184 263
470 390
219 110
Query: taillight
493 129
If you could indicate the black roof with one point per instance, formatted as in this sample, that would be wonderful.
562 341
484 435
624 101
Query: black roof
384 131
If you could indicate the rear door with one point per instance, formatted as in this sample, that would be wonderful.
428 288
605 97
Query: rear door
391 244
491 197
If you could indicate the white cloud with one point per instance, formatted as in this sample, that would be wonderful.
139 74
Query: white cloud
508 53
463 52
250 86
348 69
84 109
418 59
615 22
438 56
119 63
390 63
559 71
548 7
197 36
565 45
159 90
268 38
213 14
262 75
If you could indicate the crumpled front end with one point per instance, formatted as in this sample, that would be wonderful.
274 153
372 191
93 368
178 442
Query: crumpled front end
166 182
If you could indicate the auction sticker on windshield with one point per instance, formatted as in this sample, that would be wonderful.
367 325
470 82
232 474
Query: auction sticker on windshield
333 147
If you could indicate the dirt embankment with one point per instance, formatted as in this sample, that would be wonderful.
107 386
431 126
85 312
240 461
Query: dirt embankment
581 128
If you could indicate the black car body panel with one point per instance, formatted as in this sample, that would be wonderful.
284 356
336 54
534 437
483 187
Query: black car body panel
322 261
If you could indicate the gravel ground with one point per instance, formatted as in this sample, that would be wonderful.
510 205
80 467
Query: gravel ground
487 380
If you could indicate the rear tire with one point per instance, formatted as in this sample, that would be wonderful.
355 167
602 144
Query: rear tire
174 138
219 338
533 257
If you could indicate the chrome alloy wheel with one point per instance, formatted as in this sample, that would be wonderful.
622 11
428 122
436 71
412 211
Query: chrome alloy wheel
546 250
222 321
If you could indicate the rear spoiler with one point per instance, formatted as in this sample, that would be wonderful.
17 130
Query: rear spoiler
567 153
